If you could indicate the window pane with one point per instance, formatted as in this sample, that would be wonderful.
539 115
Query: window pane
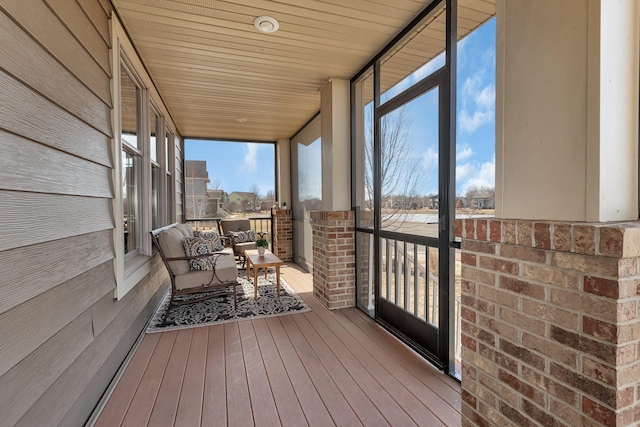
154 144
155 196
417 56
128 109
225 178
409 167
364 149
310 176
130 206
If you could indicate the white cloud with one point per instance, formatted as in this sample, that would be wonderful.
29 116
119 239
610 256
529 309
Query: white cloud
464 171
463 152
484 177
430 159
250 162
478 101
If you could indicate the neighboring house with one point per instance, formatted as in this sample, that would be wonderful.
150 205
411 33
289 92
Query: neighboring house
242 201
434 202
195 182
215 199
484 202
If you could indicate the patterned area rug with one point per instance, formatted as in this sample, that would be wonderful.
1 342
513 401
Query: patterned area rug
219 309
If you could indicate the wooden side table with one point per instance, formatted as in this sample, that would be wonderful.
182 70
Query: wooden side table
257 262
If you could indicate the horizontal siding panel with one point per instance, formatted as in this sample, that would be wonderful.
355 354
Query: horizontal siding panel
57 262
107 309
49 217
54 404
79 24
46 28
27 113
98 17
21 56
27 381
35 320
63 174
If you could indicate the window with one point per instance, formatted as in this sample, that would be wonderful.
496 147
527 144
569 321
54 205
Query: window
154 122
131 175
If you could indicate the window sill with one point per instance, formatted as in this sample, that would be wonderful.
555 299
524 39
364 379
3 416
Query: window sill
134 271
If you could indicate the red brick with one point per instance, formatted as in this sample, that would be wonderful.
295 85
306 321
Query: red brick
475 246
602 287
552 349
528 323
495 230
611 241
599 371
521 387
468 342
542 235
525 233
467 314
540 415
509 232
598 412
469 229
499 265
521 287
603 393
457 227
481 229
584 239
553 314
562 237
599 329
469 399
515 416
597 349
522 354
523 253
469 259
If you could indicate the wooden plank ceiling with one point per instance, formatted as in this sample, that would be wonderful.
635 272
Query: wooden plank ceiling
212 66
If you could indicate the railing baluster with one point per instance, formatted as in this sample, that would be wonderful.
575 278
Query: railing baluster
416 279
397 267
407 279
426 285
388 256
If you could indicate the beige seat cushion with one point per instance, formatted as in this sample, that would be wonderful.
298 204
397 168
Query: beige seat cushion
226 271
170 242
185 229
241 247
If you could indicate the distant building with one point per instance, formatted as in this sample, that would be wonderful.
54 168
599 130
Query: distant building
242 201
196 179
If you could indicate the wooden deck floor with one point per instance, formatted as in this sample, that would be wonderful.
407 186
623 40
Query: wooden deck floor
319 368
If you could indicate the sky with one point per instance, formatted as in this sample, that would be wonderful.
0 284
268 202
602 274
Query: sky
239 166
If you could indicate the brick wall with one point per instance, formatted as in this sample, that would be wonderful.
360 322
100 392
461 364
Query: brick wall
550 329
334 278
282 234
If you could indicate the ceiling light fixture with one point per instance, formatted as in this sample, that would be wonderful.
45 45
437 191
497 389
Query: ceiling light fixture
240 119
266 24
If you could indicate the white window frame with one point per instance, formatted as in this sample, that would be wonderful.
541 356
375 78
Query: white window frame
131 269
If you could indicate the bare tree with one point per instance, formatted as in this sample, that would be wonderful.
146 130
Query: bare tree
215 184
254 196
197 197
401 169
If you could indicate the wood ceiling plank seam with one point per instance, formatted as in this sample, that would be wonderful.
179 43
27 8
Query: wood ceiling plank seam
291 51
169 75
231 53
272 98
485 6
199 85
362 8
166 17
265 66
246 73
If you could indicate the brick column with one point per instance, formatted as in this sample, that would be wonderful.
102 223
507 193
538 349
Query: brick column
282 234
550 328
334 279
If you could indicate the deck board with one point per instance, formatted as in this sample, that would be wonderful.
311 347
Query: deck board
317 368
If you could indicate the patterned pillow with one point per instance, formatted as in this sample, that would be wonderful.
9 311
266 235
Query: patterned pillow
213 237
199 246
244 236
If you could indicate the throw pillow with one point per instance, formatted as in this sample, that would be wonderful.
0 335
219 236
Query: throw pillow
213 237
194 246
244 236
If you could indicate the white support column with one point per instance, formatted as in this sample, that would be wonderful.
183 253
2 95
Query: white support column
336 153
567 110
283 155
